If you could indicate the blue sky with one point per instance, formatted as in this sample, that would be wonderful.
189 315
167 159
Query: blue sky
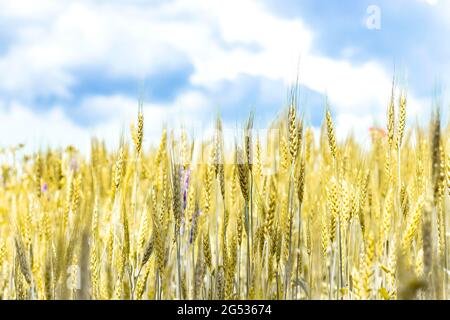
70 69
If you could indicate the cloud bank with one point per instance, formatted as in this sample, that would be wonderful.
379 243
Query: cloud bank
75 69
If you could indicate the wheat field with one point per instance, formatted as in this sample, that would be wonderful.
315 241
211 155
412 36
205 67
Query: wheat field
298 215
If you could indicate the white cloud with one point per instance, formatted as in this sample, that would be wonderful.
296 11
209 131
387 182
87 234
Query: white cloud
430 2
222 39
358 126
19 124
